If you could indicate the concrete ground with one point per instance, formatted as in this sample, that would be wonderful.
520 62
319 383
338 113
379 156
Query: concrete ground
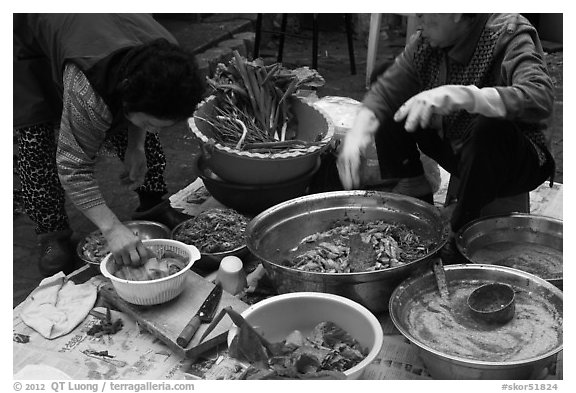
202 36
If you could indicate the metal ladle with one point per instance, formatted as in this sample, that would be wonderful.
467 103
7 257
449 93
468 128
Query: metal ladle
493 303
440 276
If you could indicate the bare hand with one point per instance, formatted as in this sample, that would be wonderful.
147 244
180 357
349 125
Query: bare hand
126 247
135 168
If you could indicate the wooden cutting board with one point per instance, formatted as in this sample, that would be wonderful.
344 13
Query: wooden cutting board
166 321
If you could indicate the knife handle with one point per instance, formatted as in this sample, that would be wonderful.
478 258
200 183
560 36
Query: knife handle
188 332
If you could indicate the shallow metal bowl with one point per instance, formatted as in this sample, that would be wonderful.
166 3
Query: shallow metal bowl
146 230
271 234
520 229
210 261
446 366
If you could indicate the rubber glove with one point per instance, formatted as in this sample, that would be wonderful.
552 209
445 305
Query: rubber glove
353 148
443 100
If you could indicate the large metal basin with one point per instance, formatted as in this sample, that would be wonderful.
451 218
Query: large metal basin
446 366
271 234
521 233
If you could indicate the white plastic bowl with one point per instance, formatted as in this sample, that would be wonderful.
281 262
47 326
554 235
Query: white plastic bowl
147 293
278 316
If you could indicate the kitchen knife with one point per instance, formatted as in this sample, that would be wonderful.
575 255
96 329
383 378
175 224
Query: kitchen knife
204 315
215 321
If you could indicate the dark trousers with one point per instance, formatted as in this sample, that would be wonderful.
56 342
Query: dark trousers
496 160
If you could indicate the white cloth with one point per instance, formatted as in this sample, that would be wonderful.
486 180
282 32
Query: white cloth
58 305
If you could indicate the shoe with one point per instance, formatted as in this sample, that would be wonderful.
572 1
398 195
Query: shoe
428 198
162 213
450 254
447 211
417 187
56 253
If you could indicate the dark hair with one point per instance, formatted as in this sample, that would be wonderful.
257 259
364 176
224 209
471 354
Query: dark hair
162 80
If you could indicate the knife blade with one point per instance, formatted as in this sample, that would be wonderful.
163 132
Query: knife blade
204 315
215 321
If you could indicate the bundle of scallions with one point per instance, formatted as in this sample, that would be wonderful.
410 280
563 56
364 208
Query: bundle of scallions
252 104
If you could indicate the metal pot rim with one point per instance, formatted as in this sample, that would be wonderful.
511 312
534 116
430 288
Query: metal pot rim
325 195
461 235
461 360
480 363
96 263
510 215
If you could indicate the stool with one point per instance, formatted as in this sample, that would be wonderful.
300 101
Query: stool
513 204
283 34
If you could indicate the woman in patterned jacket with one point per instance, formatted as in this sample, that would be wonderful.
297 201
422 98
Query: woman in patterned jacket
472 92
109 82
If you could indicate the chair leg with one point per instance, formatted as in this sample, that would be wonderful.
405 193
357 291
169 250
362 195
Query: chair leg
315 41
282 37
375 20
258 36
350 37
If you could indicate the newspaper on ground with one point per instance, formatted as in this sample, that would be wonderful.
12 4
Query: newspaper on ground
130 353
193 199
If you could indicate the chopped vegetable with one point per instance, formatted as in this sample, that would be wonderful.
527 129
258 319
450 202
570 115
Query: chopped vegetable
157 266
106 326
252 103
357 247
95 247
214 230
325 354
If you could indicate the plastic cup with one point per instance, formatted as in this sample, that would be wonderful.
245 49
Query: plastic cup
231 275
